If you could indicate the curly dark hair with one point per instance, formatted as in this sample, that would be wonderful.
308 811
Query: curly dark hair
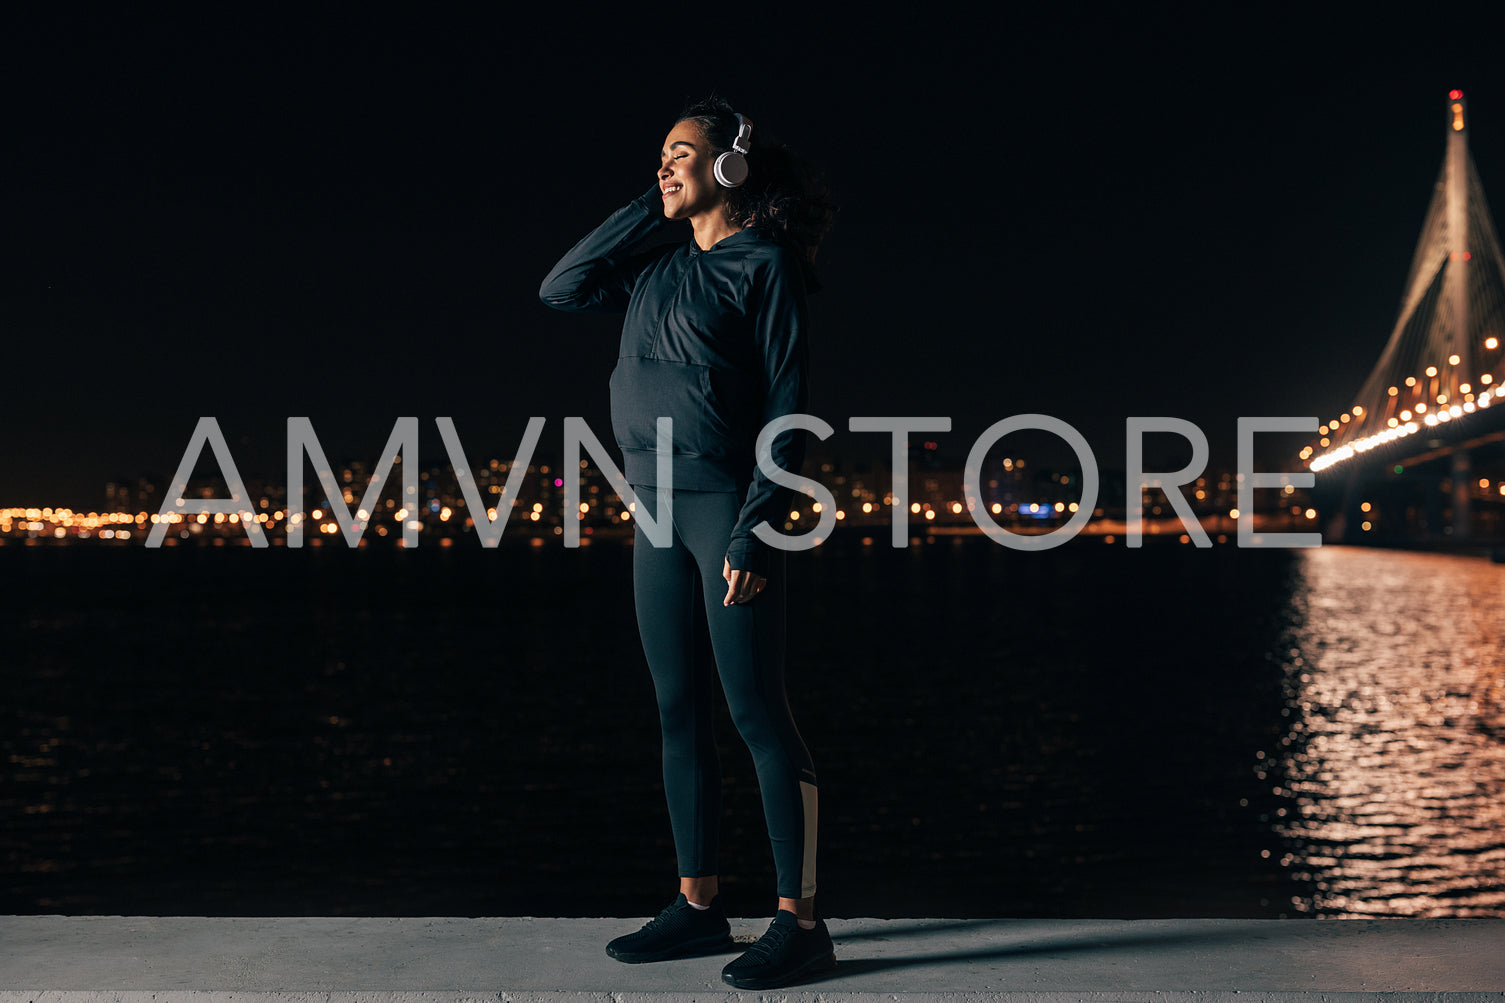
784 193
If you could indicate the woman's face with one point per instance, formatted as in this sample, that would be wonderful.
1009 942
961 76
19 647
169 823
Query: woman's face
685 174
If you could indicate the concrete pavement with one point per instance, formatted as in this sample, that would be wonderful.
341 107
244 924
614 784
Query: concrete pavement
50 959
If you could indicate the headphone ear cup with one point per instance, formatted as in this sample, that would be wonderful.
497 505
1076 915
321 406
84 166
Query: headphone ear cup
731 169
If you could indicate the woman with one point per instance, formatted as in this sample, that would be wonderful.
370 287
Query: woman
714 338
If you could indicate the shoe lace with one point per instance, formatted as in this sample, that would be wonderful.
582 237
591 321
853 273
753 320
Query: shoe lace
660 919
768 945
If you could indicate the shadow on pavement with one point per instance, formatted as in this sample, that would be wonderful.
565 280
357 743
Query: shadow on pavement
1031 943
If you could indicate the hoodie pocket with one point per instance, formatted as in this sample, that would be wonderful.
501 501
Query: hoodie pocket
643 390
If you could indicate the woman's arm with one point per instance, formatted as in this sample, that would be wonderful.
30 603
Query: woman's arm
779 331
597 275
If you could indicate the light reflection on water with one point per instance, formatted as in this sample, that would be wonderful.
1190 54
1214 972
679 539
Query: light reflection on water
1394 763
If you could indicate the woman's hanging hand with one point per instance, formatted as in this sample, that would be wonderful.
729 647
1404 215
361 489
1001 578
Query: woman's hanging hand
741 586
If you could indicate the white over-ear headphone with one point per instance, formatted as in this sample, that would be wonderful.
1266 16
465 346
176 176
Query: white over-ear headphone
731 166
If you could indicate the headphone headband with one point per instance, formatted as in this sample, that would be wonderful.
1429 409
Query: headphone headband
744 135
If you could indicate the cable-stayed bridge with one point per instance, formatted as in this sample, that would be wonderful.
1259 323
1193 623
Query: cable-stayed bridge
1411 454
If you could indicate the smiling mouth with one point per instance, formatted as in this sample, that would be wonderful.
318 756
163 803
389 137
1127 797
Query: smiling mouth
672 190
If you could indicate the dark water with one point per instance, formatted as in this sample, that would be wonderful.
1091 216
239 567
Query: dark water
1394 763
1089 731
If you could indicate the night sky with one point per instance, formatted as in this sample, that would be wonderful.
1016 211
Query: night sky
1086 214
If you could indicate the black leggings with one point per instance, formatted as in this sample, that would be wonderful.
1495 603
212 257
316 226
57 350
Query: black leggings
687 634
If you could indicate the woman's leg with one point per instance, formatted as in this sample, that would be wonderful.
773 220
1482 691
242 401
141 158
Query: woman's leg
749 643
672 625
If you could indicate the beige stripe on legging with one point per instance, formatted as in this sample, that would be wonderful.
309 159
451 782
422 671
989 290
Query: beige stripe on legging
807 877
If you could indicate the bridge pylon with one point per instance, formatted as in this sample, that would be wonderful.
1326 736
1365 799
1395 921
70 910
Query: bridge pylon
1425 402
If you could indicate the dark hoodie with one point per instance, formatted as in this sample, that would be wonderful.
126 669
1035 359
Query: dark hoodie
713 339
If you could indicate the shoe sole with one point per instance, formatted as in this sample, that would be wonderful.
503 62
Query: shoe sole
705 945
823 964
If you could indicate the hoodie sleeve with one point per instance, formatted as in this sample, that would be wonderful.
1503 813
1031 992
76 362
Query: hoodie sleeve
597 275
780 333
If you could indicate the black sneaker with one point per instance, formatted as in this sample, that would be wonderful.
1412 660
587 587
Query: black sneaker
679 931
785 954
